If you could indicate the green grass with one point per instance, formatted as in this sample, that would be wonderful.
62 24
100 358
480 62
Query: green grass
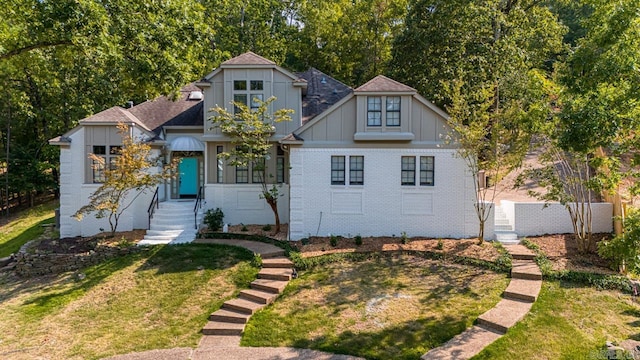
569 321
157 298
25 226
388 307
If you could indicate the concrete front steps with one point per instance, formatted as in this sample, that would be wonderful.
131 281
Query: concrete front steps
232 317
173 223
503 228
518 298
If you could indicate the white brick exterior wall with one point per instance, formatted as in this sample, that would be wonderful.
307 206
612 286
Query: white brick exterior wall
74 194
533 218
241 203
381 206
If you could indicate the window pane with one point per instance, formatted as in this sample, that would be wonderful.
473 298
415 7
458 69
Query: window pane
337 170
239 85
242 174
239 98
219 174
426 170
280 169
115 150
256 85
408 173
374 118
393 103
98 170
393 118
374 103
356 170
254 103
99 150
257 172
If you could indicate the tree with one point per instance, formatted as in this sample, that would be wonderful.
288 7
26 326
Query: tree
481 62
251 131
132 173
63 60
593 142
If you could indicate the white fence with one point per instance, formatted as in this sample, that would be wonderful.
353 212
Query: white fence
533 218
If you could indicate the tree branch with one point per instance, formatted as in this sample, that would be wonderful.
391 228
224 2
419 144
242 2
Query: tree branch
28 48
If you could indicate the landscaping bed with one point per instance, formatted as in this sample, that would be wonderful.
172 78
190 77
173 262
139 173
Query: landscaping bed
562 252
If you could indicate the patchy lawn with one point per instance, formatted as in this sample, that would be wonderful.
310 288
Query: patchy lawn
25 226
391 307
158 298
569 321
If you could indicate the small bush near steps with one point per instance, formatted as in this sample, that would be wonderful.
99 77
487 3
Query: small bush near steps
213 219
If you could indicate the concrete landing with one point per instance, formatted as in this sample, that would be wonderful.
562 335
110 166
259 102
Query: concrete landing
265 250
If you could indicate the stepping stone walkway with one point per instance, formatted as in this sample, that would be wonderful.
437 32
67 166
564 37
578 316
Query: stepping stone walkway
234 314
518 298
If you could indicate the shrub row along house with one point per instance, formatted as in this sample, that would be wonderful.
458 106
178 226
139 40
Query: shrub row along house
369 161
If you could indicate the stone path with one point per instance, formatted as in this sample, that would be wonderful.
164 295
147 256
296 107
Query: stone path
518 298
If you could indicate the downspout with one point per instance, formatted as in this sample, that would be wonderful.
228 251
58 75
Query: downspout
286 149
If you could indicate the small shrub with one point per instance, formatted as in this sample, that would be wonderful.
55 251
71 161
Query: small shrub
404 238
333 240
624 250
358 240
213 219
257 260
244 228
266 227
440 245
304 241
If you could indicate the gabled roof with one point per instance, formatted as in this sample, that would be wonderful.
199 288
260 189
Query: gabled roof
382 83
163 111
113 115
248 58
322 92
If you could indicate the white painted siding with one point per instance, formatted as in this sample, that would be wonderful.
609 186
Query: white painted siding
381 206
241 203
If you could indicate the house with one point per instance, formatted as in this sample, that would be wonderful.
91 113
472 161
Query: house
369 161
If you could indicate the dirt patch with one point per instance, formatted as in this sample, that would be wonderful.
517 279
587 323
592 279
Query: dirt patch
562 251
461 247
78 245
262 230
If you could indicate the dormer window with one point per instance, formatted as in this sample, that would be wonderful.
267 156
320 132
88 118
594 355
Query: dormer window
390 113
393 111
247 92
374 111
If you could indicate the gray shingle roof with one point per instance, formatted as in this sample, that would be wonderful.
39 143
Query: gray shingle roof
248 58
322 92
114 115
165 112
382 83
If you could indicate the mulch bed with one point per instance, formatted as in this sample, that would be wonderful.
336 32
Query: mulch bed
460 247
562 251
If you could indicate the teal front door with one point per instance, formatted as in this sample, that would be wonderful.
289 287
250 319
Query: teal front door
188 169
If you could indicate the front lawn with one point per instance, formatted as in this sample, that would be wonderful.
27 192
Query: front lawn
158 298
569 321
391 306
25 226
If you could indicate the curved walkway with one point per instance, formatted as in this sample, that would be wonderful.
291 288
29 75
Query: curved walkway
518 298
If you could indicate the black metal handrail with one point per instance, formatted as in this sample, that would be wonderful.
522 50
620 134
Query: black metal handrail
197 207
153 206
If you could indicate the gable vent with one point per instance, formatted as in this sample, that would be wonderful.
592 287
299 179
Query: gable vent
196 95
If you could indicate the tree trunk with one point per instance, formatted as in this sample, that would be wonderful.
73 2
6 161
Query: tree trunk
274 208
481 232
